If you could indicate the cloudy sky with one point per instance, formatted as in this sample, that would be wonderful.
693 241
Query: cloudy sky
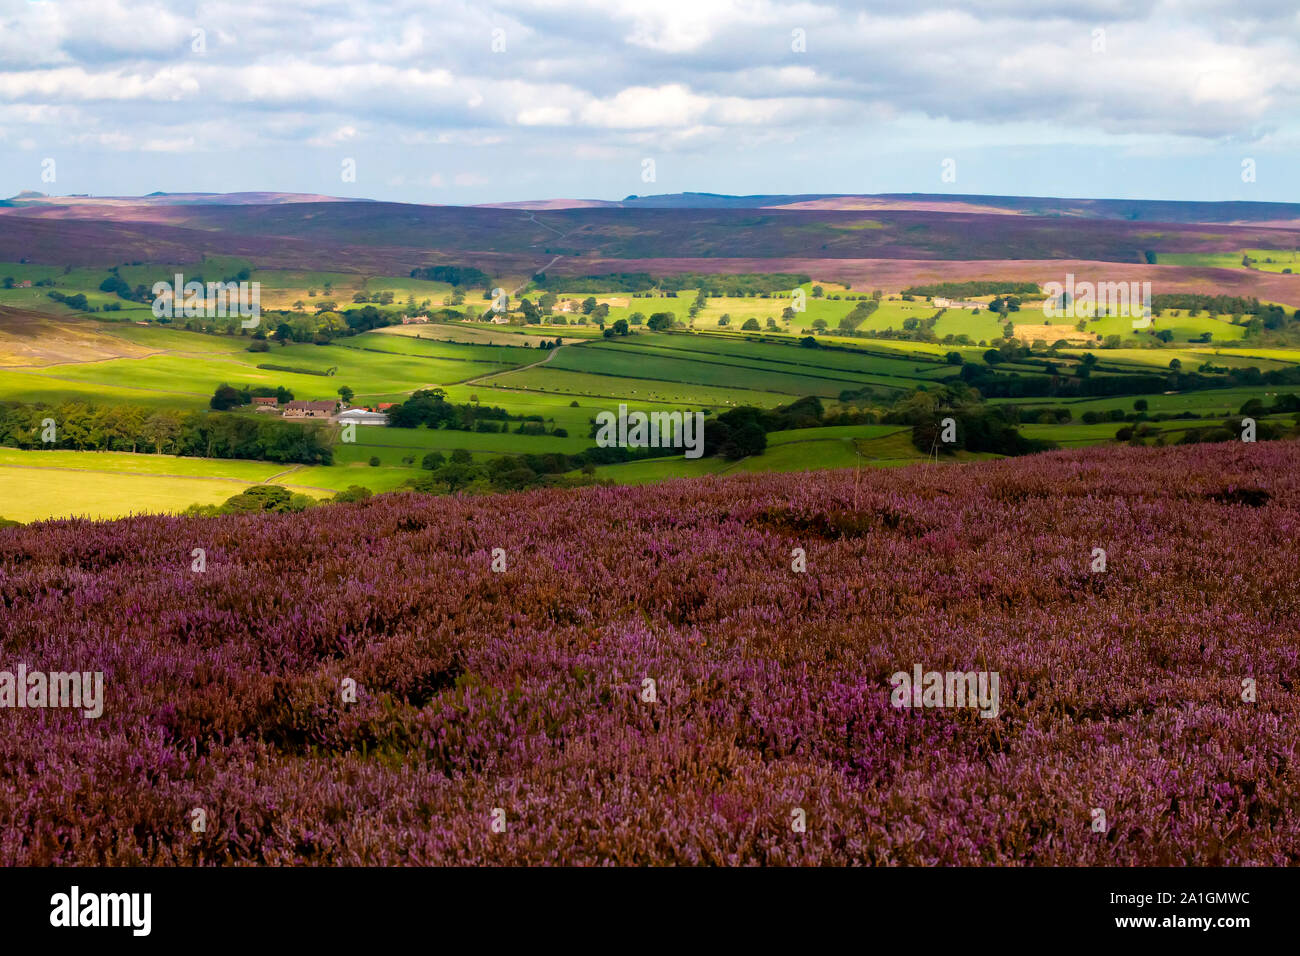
479 101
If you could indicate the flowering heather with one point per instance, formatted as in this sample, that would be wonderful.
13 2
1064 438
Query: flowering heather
522 690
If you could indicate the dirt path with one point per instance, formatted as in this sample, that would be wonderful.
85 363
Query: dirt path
532 216
482 379
287 471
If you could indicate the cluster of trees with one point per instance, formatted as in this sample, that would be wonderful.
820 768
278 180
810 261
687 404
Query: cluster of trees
741 284
966 290
742 431
1284 405
143 291
734 434
84 427
609 282
994 384
273 499
860 313
379 298
77 301
1057 382
1194 302
429 407
545 307
504 472
259 499
914 330
320 327
1230 430
228 396
978 427
1263 317
458 276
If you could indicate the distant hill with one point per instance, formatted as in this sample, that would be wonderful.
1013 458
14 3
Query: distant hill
28 196
865 239
1131 210
1285 215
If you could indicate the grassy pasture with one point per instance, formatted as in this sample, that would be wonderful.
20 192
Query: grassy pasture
48 386
617 361
808 449
1146 360
33 494
391 445
660 469
558 381
1266 260
708 368
1211 403
468 333
190 379
47 484
788 357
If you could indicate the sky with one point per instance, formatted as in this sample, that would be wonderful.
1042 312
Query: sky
484 101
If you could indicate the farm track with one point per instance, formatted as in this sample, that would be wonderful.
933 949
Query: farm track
521 368
287 471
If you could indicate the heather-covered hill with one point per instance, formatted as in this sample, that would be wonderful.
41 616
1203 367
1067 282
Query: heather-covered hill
413 234
523 689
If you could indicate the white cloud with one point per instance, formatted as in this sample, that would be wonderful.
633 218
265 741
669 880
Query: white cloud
596 78
336 137
544 116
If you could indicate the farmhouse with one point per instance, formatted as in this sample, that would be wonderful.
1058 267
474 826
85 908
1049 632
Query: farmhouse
310 409
265 403
25 284
415 320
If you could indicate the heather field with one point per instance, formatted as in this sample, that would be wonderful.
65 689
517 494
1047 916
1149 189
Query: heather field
520 694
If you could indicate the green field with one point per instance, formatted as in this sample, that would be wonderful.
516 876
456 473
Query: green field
45 484
106 357
189 366
1266 260
807 449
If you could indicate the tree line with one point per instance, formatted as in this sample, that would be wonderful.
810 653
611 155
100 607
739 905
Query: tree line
739 284
974 287
81 426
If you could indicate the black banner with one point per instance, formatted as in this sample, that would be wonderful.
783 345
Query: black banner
911 906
